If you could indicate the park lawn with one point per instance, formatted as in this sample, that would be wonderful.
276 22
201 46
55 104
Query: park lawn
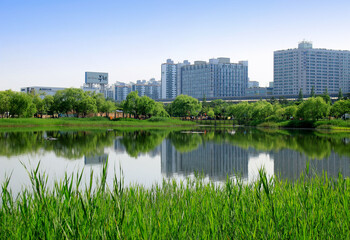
99 122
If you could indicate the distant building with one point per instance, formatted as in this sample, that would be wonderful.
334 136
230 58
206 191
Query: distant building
171 79
256 91
43 91
253 84
151 88
306 67
216 78
121 91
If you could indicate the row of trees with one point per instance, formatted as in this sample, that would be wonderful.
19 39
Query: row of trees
71 100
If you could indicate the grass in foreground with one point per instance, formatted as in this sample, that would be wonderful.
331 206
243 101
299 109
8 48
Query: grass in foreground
311 208
97 121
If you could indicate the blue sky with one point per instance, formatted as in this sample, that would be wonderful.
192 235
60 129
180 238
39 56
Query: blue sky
52 43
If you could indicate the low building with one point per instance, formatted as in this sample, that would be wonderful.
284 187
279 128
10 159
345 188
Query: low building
42 91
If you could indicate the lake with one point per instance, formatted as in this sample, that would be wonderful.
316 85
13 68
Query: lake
146 157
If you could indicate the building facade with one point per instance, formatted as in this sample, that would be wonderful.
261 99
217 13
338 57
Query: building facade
151 88
42 91
216 78
306 68
171 79
121 91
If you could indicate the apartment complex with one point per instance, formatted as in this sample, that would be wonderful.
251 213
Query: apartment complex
216 78
306 67
171 78
151 88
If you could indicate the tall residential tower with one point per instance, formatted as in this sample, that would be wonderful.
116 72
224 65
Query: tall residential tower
306 68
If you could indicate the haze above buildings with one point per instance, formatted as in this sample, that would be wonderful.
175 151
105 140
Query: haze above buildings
52 43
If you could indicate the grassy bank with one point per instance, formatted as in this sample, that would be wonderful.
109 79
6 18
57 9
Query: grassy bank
89 122
311 208
321 124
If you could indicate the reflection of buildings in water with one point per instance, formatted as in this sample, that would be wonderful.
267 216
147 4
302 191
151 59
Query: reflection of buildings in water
95 159
289 164
219 160
212 159
118 146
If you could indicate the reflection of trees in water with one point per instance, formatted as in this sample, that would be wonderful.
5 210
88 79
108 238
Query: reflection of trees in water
70 144
185 142
137 142
76 144
308 143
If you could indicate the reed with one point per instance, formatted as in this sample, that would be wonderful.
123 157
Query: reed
315 207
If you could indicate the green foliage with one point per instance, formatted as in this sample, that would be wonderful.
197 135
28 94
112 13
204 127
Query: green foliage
130 104
184 105
340 107
300 96
5 103
313 92
313 108
310 208
21 105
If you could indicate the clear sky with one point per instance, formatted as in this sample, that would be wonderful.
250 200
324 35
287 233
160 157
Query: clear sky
52 43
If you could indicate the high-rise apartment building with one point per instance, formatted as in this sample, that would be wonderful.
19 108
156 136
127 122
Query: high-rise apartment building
306 67
121 91
149 88
216 78
171 79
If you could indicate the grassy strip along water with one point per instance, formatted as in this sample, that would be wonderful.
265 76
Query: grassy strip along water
95 121
310 208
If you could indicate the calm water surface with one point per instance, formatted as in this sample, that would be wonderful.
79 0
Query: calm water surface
147 157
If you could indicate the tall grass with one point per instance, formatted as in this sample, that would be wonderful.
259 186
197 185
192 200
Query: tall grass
310 208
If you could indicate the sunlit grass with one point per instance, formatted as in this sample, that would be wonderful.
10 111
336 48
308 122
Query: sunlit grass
100 121
310 208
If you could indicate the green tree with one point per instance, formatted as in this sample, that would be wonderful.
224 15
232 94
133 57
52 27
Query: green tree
340 107
184 105
300 96
290 112
340 94
145 106
21 105
108 107
312 94
313 108
5 102
159 110
48 104
130 105
326 96
86 105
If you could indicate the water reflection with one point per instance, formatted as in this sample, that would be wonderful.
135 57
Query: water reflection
215 153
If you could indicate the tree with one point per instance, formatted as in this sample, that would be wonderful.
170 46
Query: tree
312 94
290 112
159 110
326 96
130 105
86 105
21 105
145 106
340 94
313 108
5 102
108 107
340 107
48 102
300 96
184 105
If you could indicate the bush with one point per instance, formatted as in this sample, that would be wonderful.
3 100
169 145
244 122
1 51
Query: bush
158 119
126 119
